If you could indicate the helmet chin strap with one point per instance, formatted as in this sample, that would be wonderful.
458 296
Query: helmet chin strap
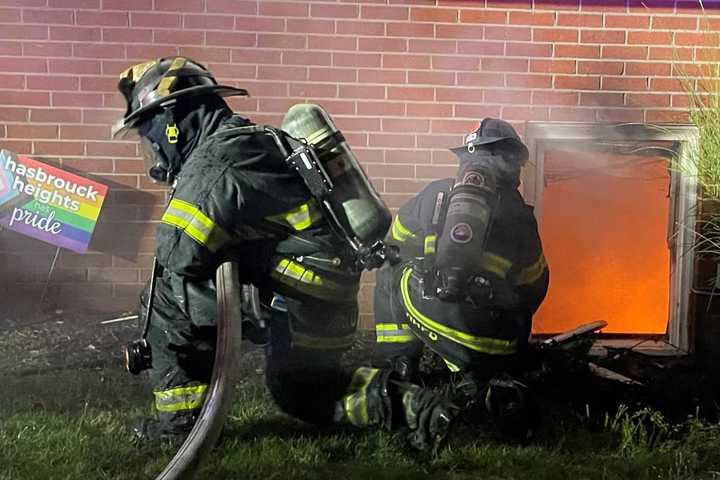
164 136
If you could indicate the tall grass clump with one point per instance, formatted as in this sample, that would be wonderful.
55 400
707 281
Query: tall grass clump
638 431
704 103
701 82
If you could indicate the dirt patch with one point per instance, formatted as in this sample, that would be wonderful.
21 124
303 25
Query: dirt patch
62 340
48 352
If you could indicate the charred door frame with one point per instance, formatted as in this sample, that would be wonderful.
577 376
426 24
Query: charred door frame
630 138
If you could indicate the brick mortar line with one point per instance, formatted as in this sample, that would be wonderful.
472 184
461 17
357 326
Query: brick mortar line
532 27
356 51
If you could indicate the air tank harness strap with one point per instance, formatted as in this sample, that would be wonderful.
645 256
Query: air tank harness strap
305 161
430 247
298 155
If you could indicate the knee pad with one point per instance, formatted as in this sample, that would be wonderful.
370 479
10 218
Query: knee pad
308 395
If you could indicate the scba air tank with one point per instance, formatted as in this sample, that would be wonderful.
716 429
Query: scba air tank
353 199
468 219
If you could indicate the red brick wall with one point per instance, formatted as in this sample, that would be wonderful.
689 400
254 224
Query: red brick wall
403 79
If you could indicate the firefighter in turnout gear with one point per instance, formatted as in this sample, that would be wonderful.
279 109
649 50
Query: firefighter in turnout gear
471 277
237 195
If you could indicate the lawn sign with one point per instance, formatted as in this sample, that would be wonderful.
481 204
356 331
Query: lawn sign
47 203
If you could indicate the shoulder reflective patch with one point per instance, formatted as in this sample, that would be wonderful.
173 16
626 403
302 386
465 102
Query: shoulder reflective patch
399 231
195 224
491 346
532 273
180 398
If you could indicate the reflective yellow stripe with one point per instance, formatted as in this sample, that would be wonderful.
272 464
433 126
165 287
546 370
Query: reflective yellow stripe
392 333
492 346
180 398
300 218
430 241
399 231
307 281
296 271
395 339
496 264
195 224
391 326
356 403
532 273
163 88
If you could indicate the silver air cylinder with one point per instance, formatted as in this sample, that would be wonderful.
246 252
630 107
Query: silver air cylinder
354 201
467 223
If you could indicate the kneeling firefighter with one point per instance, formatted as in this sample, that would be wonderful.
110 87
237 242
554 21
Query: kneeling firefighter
294 209
473 274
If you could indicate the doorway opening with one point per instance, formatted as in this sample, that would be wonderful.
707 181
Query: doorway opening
615 205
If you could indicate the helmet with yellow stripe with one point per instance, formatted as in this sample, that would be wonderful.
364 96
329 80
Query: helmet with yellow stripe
157 85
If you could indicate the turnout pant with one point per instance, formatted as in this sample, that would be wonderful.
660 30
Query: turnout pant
469 339
303 373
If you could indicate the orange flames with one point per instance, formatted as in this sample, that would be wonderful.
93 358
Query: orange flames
604 231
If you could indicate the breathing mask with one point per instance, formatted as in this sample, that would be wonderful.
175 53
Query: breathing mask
157 162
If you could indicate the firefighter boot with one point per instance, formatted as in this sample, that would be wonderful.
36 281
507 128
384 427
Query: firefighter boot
378 397
164 429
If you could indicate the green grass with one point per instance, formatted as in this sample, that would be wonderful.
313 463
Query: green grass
72 425
701 83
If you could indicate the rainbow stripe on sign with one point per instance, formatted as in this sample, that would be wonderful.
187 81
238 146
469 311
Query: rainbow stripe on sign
47 203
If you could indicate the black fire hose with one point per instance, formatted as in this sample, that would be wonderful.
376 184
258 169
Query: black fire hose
217 404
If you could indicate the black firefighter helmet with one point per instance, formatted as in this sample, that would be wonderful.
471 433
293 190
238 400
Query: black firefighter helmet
156 85
152 92
495 139
496 133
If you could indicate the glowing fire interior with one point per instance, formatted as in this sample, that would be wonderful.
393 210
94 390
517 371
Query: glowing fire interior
604 229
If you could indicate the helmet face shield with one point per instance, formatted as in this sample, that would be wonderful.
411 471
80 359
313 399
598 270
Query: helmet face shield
155 163
122 128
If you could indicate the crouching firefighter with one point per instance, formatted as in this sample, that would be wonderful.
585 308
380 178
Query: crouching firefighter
471 277
294 209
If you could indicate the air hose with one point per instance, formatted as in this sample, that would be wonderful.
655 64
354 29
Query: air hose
208 427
